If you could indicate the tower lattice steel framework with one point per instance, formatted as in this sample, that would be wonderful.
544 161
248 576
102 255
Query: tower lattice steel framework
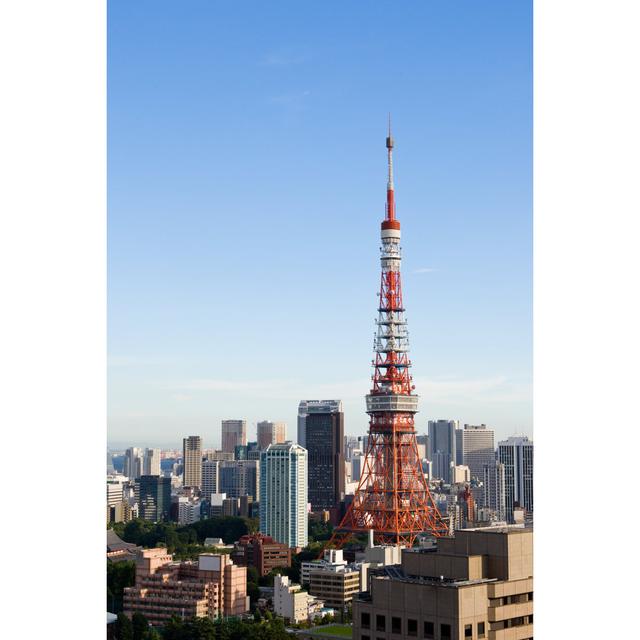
393 496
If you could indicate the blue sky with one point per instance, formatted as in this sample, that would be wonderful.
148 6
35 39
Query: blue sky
246 185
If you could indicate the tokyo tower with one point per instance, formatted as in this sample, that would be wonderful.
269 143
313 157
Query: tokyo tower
393 496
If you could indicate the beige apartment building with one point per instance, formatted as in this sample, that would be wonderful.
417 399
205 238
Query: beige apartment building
211 587
335 588
476 586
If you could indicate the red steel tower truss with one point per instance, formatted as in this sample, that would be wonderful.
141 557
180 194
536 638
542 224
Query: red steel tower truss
393 496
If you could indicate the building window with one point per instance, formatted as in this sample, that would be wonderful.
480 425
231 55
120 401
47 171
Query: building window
365 637
381 623
365 620
468 631
429 631
480 629
396 625
412 627
445 632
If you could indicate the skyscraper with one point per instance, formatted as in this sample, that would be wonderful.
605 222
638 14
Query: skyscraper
495 489
151 466
133 463
442 444
210 476
283 494
516 453
192 461
478 448
303 412
239 478
234 433
324 435
155 498
271 433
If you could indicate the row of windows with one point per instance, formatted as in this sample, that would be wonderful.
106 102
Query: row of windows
429 628
515 599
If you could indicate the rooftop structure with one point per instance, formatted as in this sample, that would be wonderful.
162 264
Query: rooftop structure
478 584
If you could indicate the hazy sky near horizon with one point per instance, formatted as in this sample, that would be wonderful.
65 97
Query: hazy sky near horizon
246 185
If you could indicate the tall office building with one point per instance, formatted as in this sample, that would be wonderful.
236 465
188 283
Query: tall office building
516 453
493 483
234 433
133 463
210 478
303 412
155 498
239 478
192 461
459 446
324 435
151 465
283 494
442 444
478 449
271 433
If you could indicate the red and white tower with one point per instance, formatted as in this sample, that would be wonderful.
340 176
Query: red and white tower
393 496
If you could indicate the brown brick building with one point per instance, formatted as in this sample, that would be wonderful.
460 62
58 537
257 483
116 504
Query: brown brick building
262 552
476 586
211 587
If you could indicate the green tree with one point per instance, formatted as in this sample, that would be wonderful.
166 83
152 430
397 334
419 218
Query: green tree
124 628
140 626
119 576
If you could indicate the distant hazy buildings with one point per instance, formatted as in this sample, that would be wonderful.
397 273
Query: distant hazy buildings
239 478
155 498
516 454
283 494
442 444
133 463
324 437
478 448
234 433
192 461
270 433
151 464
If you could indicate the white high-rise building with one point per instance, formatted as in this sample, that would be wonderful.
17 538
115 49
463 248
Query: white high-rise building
151 466
494 489
516 454
270 433
283 494
234 433
478 448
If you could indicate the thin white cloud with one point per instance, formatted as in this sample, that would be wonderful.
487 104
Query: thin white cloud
279 59
490 390
424 270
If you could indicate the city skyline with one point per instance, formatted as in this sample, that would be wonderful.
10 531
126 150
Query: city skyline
185 232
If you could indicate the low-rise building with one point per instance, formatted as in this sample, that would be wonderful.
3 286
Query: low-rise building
262 552
476 585
211 587
293 604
